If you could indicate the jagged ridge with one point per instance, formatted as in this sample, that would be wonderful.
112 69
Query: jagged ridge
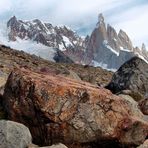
105 47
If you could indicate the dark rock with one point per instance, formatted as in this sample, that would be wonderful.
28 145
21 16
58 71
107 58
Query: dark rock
143 104
133 75
2 112
60 57
60 145
59 109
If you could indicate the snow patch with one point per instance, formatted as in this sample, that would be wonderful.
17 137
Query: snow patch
61 47
141 57
67 41
115 39
105 43
26 26
28 46
123 49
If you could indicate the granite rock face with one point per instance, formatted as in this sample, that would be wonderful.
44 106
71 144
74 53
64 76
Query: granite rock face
124 40
59 109
14 135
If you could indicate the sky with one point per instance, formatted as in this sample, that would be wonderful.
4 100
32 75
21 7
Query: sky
81 15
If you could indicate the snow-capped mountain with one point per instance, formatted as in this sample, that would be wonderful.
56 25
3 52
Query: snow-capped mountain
59 37
105 47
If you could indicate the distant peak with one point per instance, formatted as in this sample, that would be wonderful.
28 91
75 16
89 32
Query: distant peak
121 31
110 27
100 18
36 21
143 46
13 18
12 21
122 34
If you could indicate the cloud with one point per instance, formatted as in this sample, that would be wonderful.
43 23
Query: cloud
5 6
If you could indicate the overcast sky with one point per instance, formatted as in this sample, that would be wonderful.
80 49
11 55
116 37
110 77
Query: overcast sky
129 15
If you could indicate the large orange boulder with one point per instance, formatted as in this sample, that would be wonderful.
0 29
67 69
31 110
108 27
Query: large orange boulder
60 109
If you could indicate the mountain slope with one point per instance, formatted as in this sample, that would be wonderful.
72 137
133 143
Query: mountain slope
11 59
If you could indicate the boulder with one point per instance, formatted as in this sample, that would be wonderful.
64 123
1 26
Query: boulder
59 109
133 75
14 135
144 145
135 95
74 75
133 105
60 57
60 145
143 104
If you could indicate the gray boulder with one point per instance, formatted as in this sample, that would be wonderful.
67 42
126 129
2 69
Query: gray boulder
144 145
133 105
60 145
14 135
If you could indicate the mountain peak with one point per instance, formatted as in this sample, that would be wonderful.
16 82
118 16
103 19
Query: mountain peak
100 18
143 46
13 18
12 21
100 21
125 41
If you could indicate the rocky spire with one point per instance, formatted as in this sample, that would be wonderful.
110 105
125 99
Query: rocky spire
101 29
112 38
143 47
100 18
12 21
125 41
144 51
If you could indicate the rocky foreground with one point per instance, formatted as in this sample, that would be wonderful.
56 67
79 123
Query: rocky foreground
59 109
60 103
